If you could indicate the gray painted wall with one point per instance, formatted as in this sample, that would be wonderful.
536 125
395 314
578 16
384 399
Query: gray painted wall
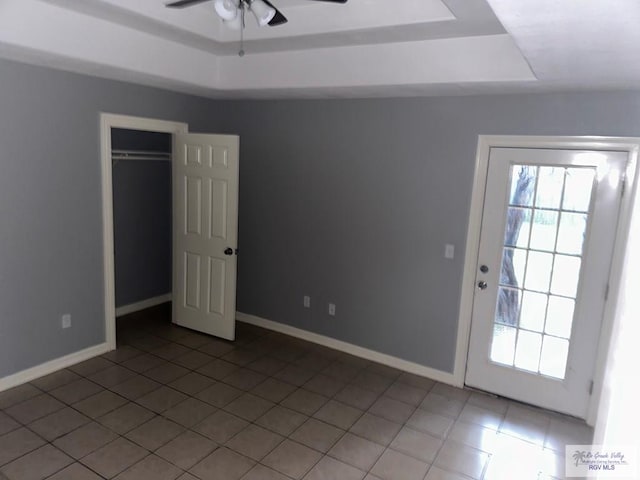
141 218
352 201
50 212
348 201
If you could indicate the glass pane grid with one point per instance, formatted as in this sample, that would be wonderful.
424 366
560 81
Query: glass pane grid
520 329
542 256
543 209
576 255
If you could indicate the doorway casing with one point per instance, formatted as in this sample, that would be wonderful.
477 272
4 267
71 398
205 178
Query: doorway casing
629 145
107 122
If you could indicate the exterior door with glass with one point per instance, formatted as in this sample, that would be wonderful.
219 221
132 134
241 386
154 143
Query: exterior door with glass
547 237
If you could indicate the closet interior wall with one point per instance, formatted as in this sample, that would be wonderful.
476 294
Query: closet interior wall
141 171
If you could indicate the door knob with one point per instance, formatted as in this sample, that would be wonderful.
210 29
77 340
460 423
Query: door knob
228 251
482 285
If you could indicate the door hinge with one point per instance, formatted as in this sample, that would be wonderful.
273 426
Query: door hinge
591 388
606 293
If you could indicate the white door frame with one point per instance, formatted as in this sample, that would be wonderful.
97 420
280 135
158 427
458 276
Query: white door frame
629 145
107 122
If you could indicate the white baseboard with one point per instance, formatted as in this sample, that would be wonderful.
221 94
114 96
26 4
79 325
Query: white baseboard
52 366
391 361
148 303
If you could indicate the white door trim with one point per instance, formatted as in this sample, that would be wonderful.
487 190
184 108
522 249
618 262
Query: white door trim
107 122
631 146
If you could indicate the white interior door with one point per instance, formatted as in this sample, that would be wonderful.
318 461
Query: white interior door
548 230
205 185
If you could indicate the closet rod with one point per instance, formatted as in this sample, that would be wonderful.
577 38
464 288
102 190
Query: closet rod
137 155
127 157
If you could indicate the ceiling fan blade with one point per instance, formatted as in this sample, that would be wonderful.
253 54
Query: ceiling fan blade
332 1
278 18
184 3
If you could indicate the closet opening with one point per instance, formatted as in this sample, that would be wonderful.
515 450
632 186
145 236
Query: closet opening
148 261
142 218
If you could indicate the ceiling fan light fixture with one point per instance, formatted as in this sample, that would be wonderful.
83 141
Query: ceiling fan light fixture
234 24
263 12
226 9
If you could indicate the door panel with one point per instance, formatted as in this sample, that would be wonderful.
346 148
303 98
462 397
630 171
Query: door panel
546 243
192 280
218 209
193 206
217 274
205 213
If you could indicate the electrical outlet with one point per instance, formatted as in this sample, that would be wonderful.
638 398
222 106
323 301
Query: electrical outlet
332 309
66 320
306 301
449 251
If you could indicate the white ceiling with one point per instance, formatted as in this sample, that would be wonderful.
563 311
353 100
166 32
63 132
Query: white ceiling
418 47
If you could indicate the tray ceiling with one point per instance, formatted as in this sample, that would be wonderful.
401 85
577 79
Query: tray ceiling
360 49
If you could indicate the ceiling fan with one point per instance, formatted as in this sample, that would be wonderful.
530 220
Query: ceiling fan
232 11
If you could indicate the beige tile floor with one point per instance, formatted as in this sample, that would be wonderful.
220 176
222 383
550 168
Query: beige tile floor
171 403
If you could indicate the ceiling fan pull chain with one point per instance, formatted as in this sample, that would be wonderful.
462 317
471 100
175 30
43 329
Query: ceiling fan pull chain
241 52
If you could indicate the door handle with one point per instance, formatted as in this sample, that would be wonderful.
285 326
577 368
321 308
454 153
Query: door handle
482 285
228 251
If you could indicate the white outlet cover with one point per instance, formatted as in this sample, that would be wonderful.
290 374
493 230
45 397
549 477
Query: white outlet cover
66 320
449 251
306 301
332 309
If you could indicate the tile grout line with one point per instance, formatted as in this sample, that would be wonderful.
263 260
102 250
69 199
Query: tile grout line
264 348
